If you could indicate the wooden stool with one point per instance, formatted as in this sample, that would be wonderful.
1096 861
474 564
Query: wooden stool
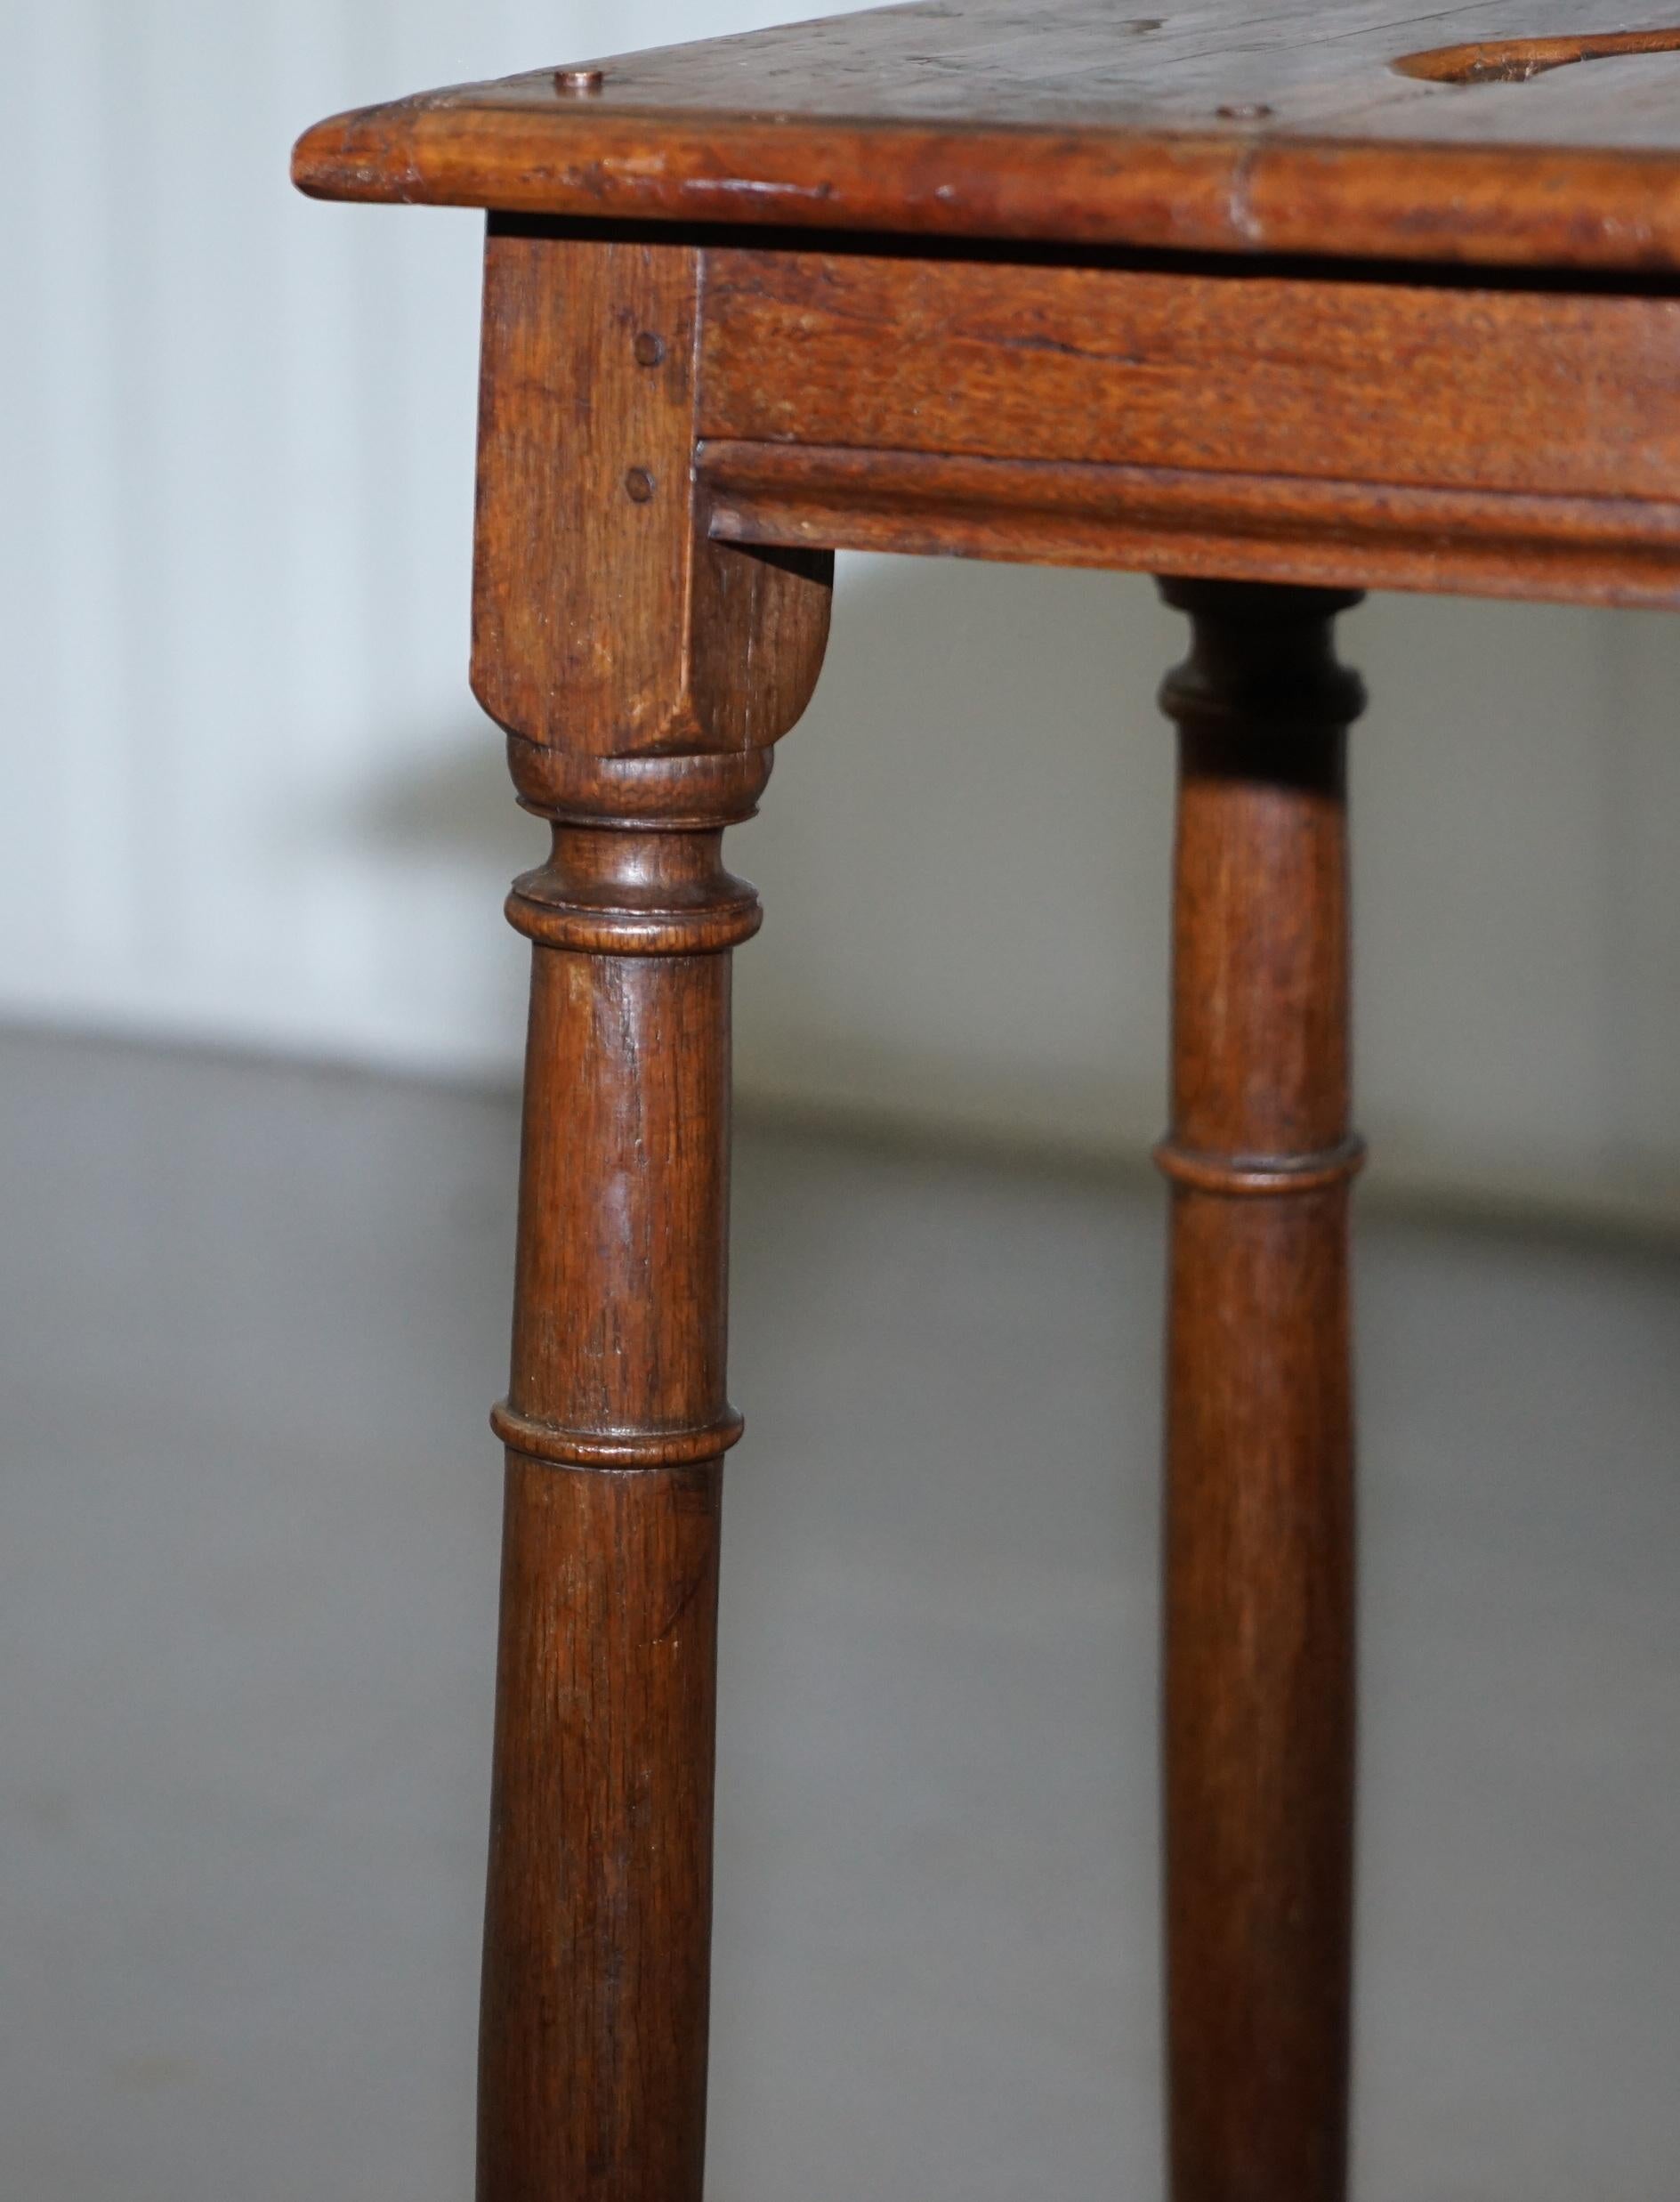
1279 305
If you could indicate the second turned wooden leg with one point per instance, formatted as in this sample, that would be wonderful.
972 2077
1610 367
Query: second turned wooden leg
1259 1650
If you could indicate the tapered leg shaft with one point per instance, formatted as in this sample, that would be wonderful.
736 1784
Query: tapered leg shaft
1259 1649
593 2060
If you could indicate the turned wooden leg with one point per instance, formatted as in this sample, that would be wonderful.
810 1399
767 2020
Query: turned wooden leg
593 2071
1259 1628
640 674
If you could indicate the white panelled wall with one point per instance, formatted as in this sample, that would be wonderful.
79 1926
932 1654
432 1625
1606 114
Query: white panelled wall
246 797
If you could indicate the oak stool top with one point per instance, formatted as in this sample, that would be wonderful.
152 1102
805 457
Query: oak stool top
1542 133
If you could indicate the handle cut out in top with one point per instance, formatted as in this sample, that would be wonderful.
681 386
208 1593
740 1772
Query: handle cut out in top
1514 61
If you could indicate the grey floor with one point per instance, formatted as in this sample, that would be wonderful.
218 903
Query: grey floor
251 1319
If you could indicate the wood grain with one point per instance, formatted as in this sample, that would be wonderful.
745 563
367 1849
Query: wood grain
592 2071
1544 393
1215 128
1241 526
1259 1650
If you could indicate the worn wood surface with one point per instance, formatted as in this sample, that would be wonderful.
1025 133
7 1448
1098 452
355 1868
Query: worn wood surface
1213 127
1259 1435
1253 373
585 447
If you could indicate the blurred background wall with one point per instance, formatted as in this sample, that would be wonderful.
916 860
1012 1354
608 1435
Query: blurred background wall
247 799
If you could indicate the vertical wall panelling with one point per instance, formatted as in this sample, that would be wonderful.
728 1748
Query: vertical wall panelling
69 763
